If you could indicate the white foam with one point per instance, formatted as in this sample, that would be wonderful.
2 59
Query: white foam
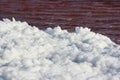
27 53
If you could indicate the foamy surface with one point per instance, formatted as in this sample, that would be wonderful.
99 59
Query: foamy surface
27 53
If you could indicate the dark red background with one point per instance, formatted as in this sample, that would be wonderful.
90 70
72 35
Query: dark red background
102 16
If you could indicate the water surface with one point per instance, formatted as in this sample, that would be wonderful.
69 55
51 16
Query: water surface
101 17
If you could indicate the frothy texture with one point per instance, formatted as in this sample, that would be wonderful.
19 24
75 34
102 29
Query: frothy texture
27 53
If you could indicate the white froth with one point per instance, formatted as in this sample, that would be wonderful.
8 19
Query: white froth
27 53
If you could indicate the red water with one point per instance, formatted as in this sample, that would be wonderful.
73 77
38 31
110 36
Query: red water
101 17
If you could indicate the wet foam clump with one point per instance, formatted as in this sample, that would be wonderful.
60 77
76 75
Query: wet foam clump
27 53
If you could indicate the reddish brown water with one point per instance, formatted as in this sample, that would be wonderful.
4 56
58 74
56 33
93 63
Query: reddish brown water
101 17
